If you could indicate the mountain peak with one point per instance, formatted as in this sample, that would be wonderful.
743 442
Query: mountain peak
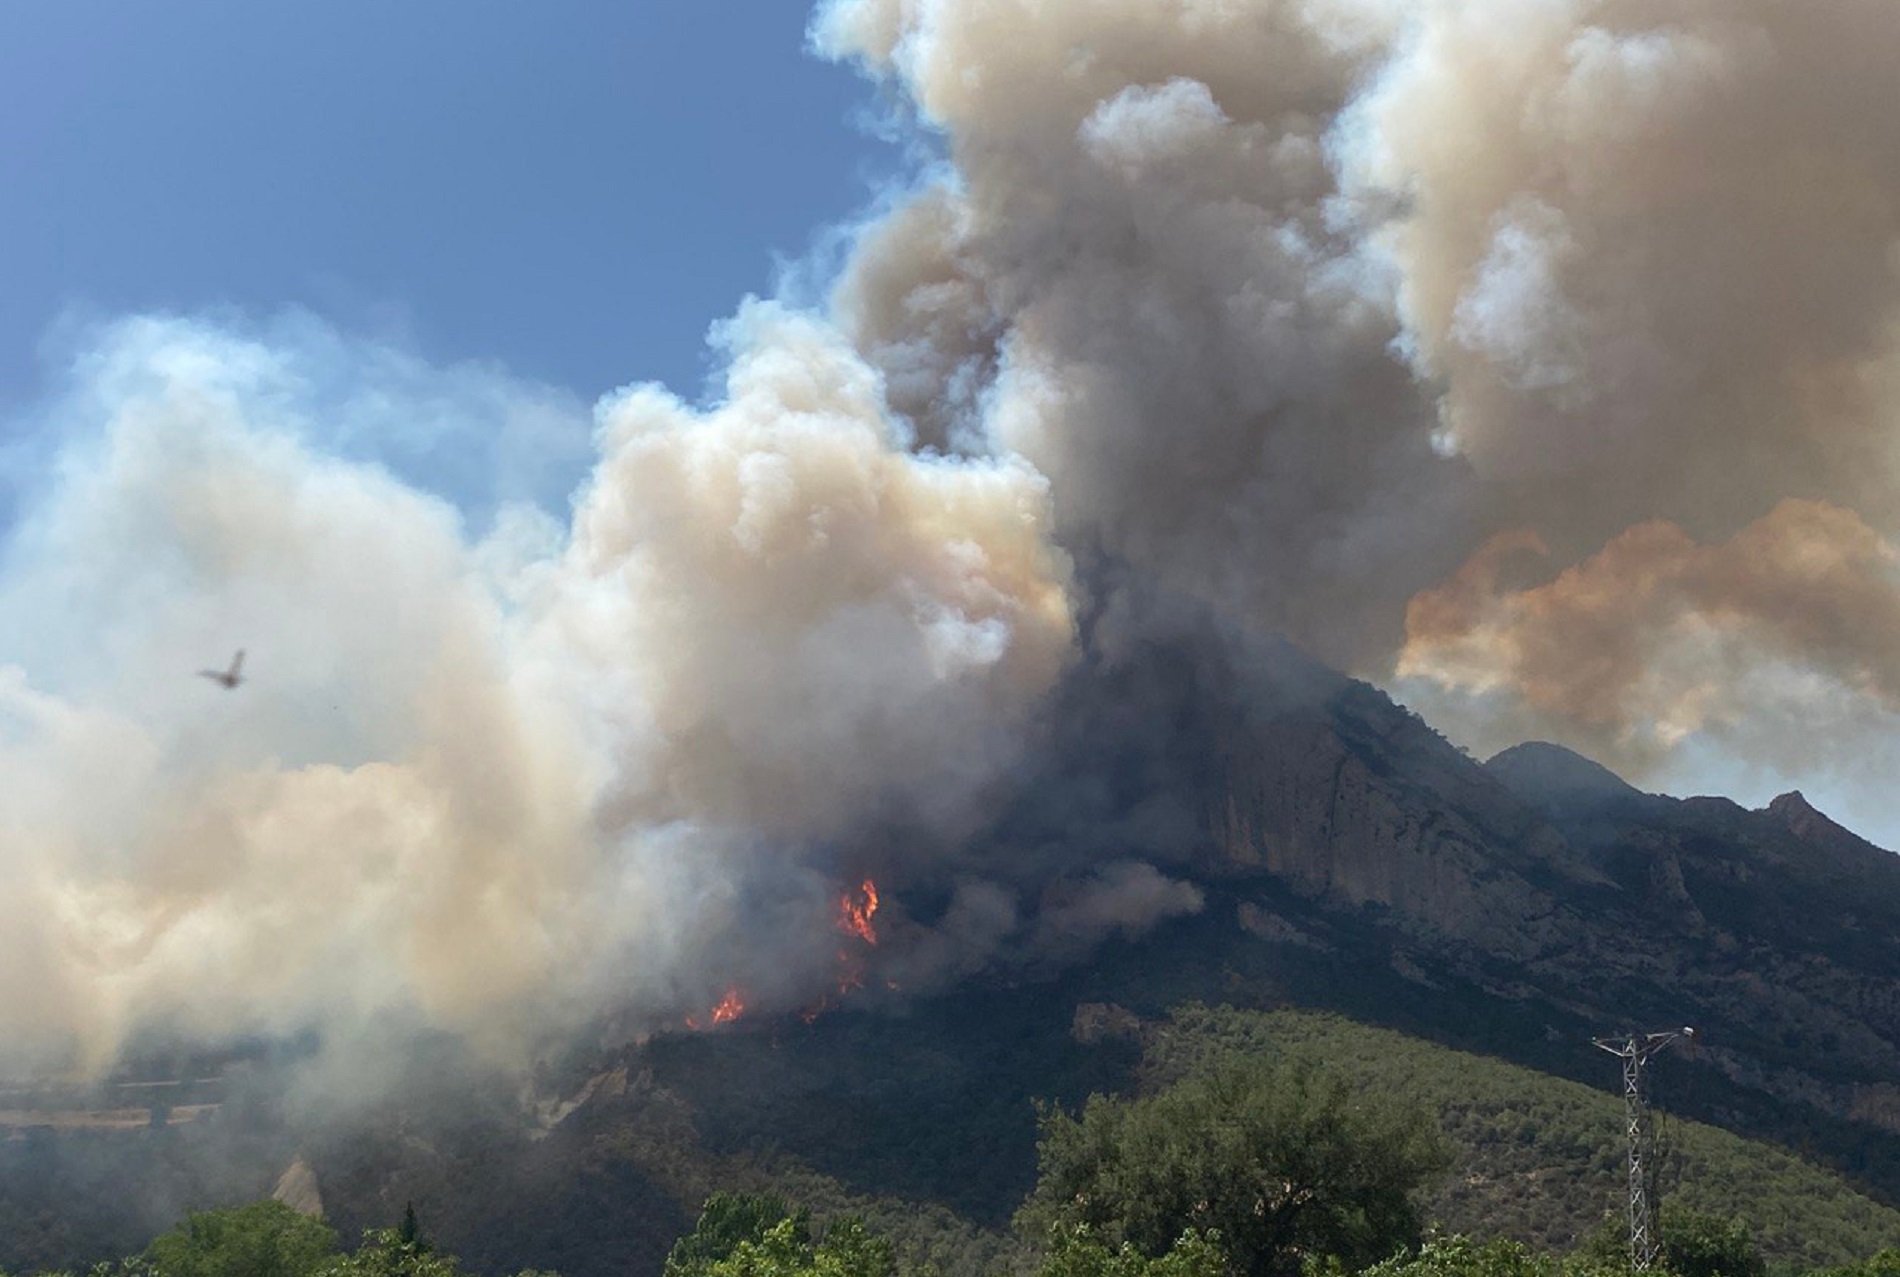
1541 772
1793 806
1804 819
1793 812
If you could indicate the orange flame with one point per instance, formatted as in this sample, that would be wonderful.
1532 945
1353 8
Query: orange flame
730 1007
856 911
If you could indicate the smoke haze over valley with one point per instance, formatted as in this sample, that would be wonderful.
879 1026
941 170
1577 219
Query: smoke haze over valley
1537 363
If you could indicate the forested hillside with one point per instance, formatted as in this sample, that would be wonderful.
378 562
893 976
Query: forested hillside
925 1125
1536 1158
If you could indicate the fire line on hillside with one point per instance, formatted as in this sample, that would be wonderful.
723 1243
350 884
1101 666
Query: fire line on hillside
857 911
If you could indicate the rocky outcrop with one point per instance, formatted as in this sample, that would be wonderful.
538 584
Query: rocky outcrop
1543 878
1361 804
297 1189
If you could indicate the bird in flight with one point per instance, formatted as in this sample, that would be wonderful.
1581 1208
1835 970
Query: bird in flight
227 678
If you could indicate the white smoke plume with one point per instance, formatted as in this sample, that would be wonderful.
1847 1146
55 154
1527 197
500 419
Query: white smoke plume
1297 314
484 784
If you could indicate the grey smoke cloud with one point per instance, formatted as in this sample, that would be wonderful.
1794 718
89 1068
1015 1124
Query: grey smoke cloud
1657 638
1141 237
1293 315
1124 897
1300 305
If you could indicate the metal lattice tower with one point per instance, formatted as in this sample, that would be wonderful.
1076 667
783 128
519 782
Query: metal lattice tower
1635 1050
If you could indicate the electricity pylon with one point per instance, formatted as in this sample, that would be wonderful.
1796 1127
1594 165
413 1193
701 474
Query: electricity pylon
1635 1050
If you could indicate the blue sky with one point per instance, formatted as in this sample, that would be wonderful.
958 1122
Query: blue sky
573 191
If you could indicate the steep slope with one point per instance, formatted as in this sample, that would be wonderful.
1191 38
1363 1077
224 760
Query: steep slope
1562 899
925 1122
1535 1157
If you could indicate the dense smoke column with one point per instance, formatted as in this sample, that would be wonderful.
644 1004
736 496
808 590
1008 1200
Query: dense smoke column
1299 305
1539 358
1142 247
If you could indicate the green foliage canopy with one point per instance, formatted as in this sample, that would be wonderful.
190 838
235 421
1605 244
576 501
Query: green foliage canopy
1884 1264
264 1239
1460 1256
1695 1244
1281 1161
746 1235
1076 1252
848 1250
725 1222
399 1252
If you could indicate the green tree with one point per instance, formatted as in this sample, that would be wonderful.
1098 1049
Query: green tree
265 1239
1462 1257
268 1239
386 1252
786 1250
409 1232
1884 1264
1076 1252
725 1221
745 1235
1698 1245
1458 1257
1280 1160
849 1249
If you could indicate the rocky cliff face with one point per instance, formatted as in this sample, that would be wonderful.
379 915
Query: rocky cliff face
1362 804
1543 879
297 1188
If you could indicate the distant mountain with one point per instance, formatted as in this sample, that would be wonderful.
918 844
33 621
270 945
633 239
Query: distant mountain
1551 777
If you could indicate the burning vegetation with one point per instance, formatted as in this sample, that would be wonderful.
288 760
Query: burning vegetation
856 910
728 1009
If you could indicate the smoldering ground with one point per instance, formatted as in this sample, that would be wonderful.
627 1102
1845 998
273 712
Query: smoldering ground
1218 319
